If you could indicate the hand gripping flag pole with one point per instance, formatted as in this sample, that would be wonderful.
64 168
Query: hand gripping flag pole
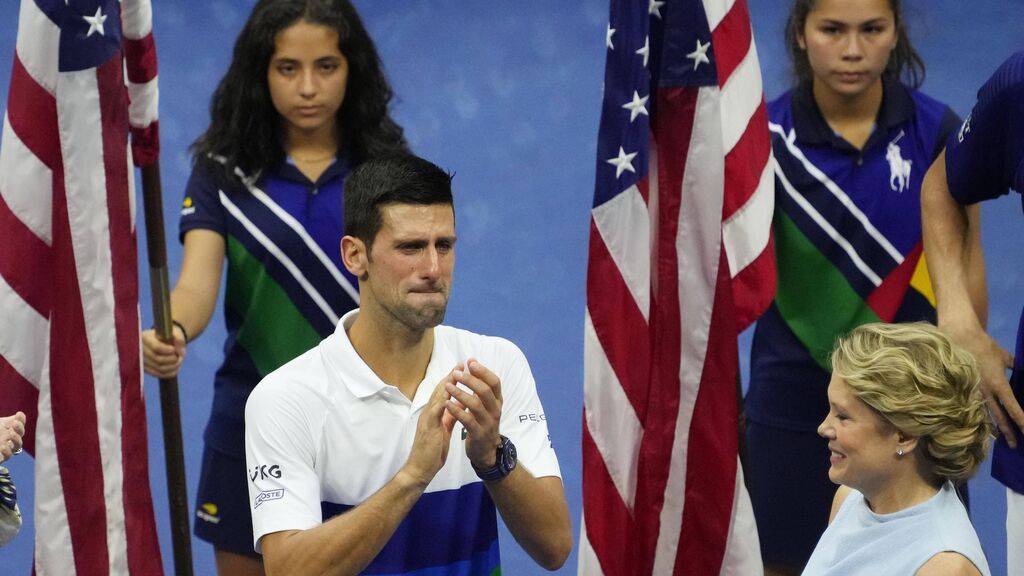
141 67
174 459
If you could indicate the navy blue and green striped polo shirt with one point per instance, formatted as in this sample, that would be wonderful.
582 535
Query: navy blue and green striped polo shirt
286 286
847 232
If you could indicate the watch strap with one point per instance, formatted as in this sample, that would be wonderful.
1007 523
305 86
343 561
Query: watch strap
504 463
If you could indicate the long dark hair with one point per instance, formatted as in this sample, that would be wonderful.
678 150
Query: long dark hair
904 62
245 128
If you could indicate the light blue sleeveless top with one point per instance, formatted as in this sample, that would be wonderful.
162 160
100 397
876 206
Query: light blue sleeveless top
862 543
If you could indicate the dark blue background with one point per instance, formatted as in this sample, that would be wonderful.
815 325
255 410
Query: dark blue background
507 94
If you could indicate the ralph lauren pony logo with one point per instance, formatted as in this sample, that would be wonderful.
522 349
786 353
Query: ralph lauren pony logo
899 168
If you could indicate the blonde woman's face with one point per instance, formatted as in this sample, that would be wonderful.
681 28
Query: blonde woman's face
862 445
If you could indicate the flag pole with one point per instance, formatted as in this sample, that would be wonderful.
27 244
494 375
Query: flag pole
174 458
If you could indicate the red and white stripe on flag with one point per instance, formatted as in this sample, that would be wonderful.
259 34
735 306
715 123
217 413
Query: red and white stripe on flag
680 262
69 280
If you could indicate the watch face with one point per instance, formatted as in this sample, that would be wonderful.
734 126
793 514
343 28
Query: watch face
508 455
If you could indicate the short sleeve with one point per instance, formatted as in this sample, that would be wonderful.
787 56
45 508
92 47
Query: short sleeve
201 207
280 454
523 419
983 157
949 124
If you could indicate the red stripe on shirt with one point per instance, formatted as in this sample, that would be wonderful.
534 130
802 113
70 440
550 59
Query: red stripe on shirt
888 297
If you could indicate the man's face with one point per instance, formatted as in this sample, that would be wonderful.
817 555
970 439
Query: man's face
409 267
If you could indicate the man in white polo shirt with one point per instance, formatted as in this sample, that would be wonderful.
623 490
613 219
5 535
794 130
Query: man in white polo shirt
387 448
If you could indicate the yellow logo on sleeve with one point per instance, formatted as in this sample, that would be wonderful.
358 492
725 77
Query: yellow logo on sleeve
208 512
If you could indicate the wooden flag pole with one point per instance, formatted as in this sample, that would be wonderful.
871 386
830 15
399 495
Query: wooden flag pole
174 458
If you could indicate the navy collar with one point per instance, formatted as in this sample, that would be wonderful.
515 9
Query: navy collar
288 171
811 128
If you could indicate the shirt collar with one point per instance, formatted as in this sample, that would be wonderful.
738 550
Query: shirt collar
288 171
811 127
347 365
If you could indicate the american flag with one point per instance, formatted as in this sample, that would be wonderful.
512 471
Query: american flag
69 352
680 262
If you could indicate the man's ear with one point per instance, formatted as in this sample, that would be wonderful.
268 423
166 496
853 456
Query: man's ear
354 256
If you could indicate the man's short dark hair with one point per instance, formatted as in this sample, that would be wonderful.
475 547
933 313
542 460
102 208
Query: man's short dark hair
394 179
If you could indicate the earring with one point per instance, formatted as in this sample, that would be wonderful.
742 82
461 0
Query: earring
899 452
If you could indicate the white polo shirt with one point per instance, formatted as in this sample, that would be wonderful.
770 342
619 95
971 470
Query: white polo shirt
324 432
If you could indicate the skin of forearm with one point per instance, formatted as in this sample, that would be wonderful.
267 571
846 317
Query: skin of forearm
192 309
195 293
976 280
347 543
947 247
950 235
536 514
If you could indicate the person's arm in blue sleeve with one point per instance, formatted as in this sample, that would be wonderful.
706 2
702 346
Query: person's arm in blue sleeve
951 233
979 163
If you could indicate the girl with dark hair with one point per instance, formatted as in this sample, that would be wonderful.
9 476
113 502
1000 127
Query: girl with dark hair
852 141
304 100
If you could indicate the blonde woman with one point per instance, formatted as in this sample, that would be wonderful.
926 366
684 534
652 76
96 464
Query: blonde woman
852 140
905 422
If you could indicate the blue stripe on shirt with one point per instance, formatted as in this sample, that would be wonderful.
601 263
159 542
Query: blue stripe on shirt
839 216
311 267
450 530
482 563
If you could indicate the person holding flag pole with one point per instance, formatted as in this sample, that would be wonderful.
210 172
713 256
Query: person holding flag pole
69 278
303 102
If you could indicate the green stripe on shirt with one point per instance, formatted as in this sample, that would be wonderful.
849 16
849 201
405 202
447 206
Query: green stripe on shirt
273 331
813 297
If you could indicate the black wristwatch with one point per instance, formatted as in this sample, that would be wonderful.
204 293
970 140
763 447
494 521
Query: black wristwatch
504 463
